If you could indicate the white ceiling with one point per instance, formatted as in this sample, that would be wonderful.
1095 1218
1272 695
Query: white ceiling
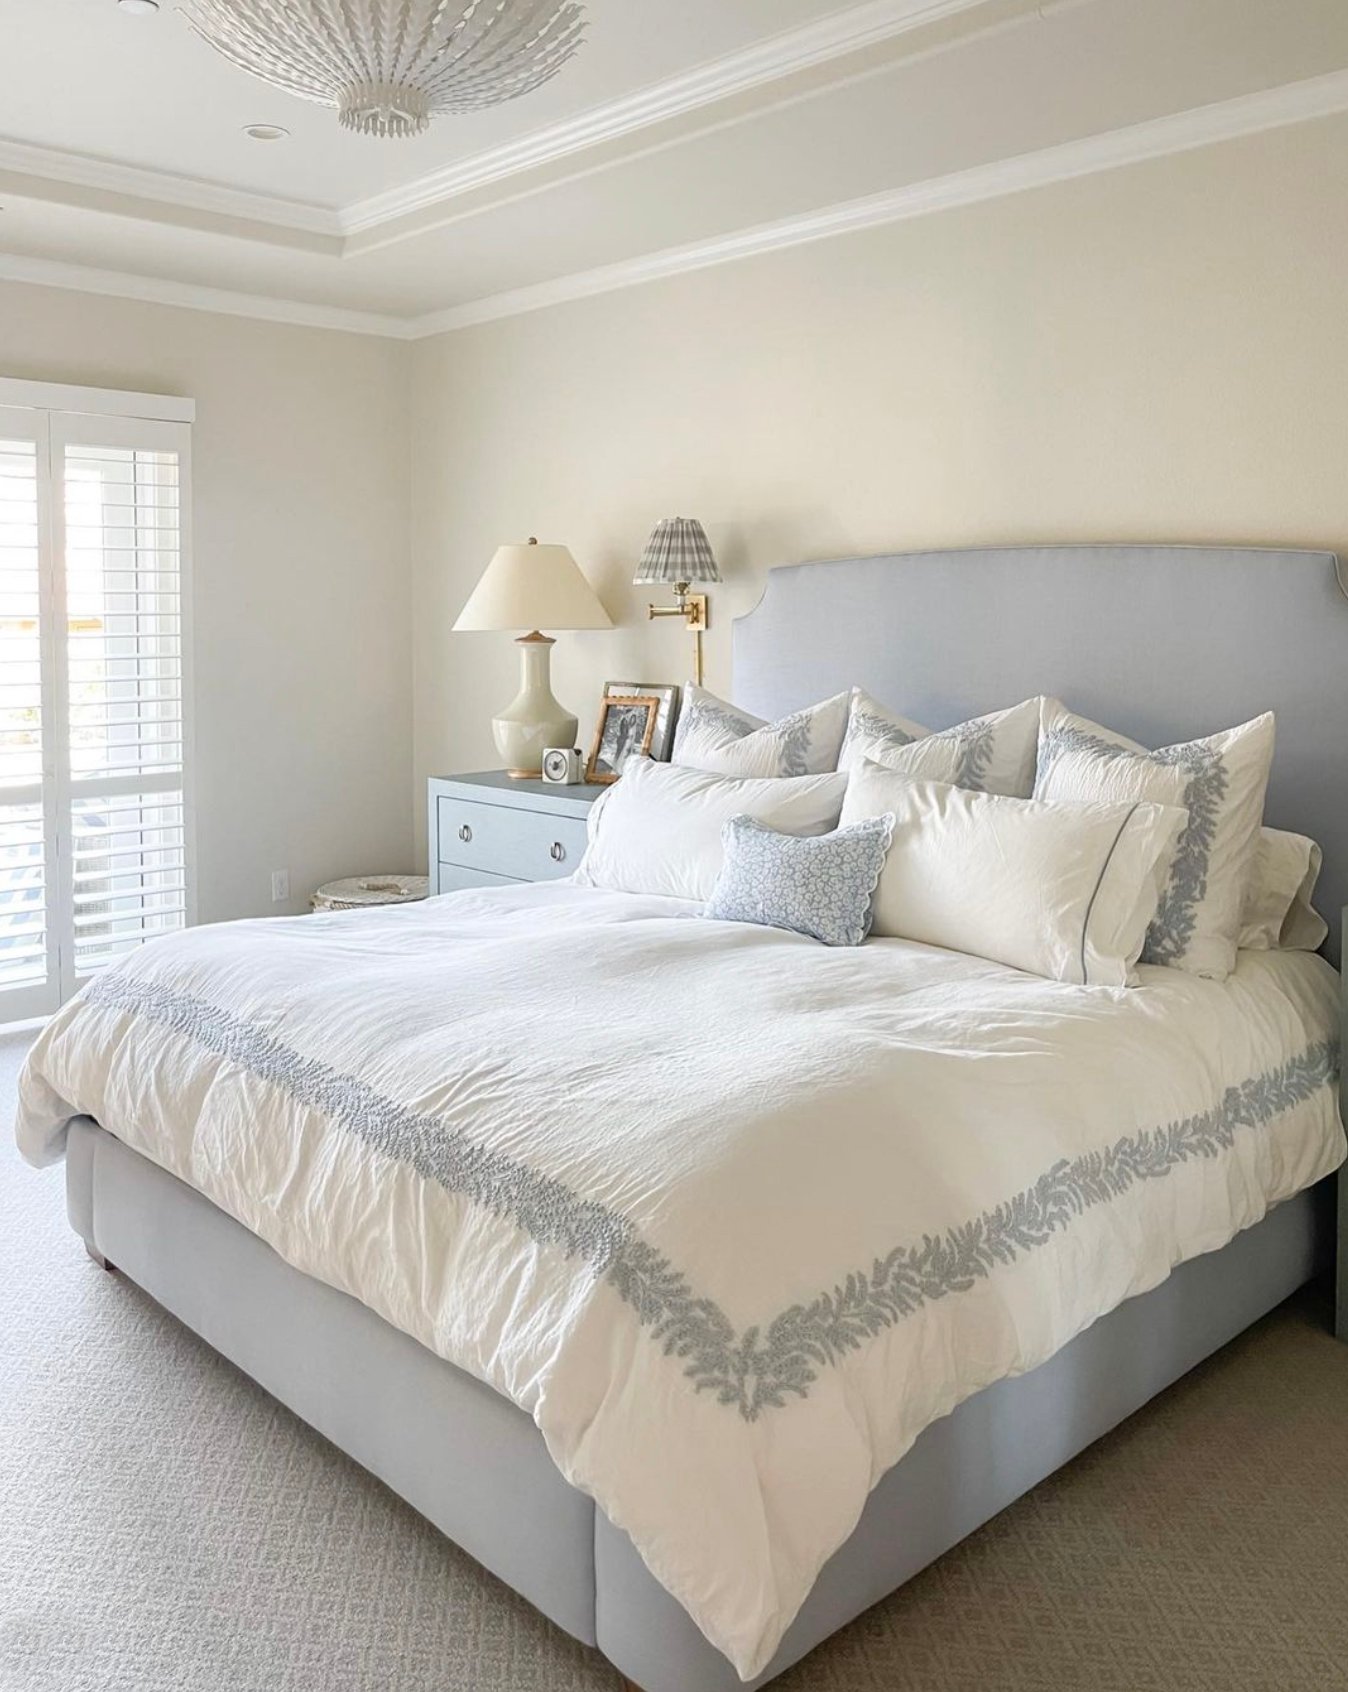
680 125
86 77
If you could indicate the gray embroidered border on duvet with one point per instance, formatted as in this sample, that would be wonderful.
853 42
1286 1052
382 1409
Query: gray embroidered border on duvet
764 1367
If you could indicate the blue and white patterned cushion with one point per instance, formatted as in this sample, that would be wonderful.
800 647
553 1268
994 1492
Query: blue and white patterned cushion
820 885
714 735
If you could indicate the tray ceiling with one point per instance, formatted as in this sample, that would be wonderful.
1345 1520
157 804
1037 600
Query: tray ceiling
85 77
681 134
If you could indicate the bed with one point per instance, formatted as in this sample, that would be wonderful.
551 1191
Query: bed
676 1220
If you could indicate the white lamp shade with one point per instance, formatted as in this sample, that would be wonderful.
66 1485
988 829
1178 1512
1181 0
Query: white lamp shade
533 587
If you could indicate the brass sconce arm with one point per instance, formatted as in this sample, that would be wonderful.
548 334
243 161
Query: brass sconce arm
692 607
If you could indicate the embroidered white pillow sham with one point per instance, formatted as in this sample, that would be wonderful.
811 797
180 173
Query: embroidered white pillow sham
1059 890
1223 776
658 829
714 735
874 731
990 754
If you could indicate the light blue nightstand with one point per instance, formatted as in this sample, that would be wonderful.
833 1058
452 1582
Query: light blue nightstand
487 830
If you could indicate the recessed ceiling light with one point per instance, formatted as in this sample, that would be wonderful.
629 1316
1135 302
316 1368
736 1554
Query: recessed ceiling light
139 8
265 132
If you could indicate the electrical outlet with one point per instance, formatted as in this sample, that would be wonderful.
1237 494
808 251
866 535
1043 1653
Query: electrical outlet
280 886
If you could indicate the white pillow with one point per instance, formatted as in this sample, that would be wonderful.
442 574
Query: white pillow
658 829
874 731
1278 913
713 735
991 754
1064 891
1197 922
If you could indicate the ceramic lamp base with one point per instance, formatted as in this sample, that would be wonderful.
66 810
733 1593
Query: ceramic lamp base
533 720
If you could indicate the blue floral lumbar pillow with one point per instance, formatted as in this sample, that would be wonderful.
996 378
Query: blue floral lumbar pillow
819 884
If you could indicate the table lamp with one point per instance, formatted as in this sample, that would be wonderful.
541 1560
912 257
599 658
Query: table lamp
523 587
679 552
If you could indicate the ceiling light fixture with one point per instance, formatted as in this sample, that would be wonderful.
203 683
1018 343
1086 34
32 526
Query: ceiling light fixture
389 66
265 132
139 8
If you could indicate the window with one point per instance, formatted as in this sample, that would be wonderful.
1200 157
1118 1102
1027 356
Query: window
94 848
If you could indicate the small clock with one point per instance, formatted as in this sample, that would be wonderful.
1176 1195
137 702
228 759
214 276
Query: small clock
561 765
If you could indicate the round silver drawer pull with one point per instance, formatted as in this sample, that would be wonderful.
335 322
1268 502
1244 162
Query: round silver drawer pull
556 851
465 833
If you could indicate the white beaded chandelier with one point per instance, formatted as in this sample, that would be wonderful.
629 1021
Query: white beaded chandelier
389 66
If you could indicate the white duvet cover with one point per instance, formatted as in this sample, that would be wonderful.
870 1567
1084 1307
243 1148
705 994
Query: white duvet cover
733 1216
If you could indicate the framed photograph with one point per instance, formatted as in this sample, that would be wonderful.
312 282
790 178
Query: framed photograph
626 724
662 741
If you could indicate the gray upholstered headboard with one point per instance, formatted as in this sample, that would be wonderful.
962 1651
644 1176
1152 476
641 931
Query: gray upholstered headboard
1160 642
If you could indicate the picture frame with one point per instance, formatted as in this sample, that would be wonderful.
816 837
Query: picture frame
626 725
662 741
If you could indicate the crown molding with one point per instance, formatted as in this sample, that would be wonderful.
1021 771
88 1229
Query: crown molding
122 285
1180 132
793 51
78 170
763 63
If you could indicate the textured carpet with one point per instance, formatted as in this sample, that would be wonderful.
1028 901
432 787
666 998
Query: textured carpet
164 1527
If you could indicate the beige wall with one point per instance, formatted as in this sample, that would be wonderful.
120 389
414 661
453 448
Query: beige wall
1157 353
302 649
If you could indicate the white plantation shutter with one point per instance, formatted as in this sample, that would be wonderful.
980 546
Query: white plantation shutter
93 815
125 695
26 951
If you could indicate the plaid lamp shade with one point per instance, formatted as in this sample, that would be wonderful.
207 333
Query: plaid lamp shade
678 551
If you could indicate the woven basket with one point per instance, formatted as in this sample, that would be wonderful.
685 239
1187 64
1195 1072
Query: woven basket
358 892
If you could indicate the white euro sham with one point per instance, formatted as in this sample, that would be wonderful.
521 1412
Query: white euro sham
989 754
1060 890
1224 776
658 829
714 735
873 730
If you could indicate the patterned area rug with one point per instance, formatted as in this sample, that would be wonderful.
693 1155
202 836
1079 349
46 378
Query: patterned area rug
164 1527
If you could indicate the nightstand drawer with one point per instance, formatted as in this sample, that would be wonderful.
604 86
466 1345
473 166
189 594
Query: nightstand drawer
507 841
451 877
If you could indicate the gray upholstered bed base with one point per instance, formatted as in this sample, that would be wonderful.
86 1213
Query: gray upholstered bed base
477 1468
1160 642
